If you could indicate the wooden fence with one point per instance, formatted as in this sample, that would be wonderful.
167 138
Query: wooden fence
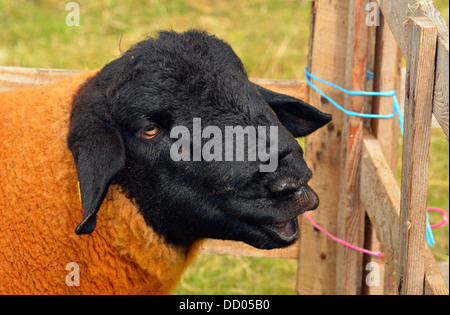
354 160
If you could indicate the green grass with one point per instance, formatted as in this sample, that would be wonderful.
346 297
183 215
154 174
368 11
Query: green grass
270 36
34 33
239 275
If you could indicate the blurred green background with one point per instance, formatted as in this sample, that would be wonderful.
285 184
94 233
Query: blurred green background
271 38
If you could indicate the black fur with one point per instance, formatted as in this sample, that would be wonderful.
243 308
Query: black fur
168 81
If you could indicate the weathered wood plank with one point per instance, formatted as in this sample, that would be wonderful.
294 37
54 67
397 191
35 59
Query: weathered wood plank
317 257
434 123
350 220
416 150
434 280
397 13
387 77
295 88
380 194
218 247
441 85
18 77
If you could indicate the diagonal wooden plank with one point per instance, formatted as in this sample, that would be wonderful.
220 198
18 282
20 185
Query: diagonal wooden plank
380 195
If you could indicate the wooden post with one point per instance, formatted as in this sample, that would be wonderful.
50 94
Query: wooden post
317 252
387 77
416 150
350 220
441 80
397 13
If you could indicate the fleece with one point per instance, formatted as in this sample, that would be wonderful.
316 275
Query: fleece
40 208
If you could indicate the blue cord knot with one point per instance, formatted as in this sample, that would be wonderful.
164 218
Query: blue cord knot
396 107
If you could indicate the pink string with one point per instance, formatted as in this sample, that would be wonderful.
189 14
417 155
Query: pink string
377 254
444 217
366 251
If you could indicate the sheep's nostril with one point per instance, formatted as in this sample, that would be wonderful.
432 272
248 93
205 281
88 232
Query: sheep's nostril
284 185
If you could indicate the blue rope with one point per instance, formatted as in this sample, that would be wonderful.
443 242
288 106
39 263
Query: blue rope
396 106
396 109
369 75
429 235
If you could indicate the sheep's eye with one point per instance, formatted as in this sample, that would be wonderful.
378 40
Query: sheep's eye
150 132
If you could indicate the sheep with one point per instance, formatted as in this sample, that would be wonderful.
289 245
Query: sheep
99 143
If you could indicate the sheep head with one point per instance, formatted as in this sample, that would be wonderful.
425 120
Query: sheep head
157 122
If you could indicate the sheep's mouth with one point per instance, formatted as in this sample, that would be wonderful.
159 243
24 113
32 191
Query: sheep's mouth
285 230
271 221
284 233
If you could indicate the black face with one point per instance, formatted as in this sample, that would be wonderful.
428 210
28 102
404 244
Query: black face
120 132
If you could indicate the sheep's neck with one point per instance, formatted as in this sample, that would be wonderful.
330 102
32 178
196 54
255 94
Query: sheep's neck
138 245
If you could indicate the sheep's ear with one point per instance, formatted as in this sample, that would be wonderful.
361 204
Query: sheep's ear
99 154
298 117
